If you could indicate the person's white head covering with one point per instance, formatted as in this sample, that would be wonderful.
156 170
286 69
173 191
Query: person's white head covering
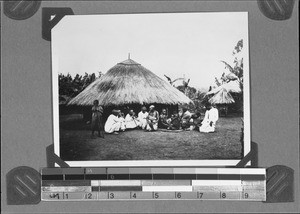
152 106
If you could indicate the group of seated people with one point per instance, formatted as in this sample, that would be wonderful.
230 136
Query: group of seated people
145 120
151 120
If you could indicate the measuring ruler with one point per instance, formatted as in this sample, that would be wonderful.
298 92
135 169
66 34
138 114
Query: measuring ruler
84 184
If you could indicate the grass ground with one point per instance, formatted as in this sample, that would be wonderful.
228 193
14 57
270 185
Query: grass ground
76 143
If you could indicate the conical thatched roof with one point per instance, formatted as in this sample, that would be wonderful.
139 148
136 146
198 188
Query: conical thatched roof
129 82
232 86
221 97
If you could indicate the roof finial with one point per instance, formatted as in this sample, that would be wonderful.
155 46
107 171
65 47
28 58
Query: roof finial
128 55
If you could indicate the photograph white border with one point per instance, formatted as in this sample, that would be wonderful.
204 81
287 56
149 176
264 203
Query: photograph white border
154 163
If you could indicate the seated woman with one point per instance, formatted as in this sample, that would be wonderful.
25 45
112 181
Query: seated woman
152 119
163 120
174 121
114 122
131 121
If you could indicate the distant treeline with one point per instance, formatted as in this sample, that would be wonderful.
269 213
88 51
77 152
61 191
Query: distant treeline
71 87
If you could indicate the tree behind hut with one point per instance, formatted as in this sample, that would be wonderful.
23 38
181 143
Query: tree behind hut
236 73
237 70
71 87
196 95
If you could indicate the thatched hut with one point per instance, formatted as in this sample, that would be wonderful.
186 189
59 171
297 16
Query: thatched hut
130 85
231 87
221 97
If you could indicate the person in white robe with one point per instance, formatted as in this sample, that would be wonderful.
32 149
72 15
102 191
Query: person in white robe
122 120
114 123
210 119
142 117
131 121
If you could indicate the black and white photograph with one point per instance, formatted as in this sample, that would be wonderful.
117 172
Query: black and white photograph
160 89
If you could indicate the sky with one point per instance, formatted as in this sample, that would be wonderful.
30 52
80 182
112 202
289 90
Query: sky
189 45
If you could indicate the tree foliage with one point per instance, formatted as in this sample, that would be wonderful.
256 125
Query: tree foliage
196 95
236 70
70 87
236 73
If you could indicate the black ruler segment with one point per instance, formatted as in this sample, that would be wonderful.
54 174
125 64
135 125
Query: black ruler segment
118 177
229 177
120 188
206 177
52 177
74 177
95 188
140 176
163 176
95 176
185 176
253 177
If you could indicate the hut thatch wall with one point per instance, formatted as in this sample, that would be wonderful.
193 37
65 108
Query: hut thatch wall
129 82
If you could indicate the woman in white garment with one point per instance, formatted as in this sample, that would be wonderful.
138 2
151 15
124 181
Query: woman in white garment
131 121
142 117
210 119
114 123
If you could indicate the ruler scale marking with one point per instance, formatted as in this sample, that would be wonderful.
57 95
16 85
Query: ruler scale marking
117 183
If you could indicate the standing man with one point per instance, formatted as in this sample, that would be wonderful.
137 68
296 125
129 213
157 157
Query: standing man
152 119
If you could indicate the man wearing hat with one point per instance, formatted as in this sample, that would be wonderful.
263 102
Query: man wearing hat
152 119
142 117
